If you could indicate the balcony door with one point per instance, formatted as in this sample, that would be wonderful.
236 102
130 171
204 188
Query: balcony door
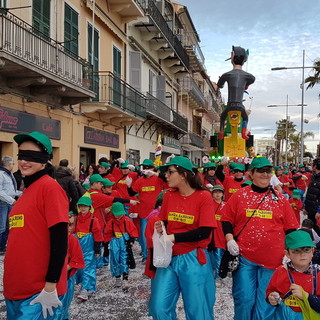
116 80
95 60
71 29
41 17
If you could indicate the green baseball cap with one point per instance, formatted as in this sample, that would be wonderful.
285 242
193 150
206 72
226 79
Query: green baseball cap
301 166
107 183
209 165
39 138
217 187
295 194
147 162
179 161
86 186
118 209
95 178
260 162
285 172
84 200
298 239
105 165
277 168
238 166
124 165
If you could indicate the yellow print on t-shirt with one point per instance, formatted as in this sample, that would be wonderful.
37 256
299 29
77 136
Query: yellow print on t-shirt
122 181
118 234
263 214
150 188
16 221
80 235
291 302
231 190
180 217
218 217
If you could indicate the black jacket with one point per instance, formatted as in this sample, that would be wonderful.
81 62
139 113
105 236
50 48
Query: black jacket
64 177
312 201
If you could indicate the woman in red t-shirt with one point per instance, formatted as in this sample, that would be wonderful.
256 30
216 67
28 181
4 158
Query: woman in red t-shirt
187 214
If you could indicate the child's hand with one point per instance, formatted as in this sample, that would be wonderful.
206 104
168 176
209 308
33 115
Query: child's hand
297 291
274 298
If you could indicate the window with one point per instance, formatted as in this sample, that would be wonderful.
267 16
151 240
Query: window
95 61
3 3
40 16
117 88
71 32
135 69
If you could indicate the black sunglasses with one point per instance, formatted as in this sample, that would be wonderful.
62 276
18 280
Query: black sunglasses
264 170
147 167
236 171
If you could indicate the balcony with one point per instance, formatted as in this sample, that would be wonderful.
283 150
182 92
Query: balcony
160 112
116 102
193 142
161 36
35 66
196 57
192 92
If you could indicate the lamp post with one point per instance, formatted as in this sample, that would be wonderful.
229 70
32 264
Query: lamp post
302 98
287 119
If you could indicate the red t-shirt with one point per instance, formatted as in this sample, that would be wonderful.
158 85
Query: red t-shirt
280 283
302 184
83 227
116 228
296 205
186 214
231 186
262 240
285 179
42 205
218 235
75 255
148 190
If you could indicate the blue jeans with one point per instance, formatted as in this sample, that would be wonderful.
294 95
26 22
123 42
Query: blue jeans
5 209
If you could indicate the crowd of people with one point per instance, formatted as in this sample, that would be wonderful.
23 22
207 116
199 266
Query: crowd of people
64 226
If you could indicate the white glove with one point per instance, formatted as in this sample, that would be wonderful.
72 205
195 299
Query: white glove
120 160
209 186
233 247
149 173
128 181
303 177
131 167
133 215
169 158
47 301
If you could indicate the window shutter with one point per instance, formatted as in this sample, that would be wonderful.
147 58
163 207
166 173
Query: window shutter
161 88
71 29
135 69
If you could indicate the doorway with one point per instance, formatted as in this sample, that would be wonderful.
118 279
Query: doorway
87 156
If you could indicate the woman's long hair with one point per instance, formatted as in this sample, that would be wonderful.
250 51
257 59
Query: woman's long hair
192 178
94 167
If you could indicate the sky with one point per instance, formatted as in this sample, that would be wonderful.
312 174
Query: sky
276 33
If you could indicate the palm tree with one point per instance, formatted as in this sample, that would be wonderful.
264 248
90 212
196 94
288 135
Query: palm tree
315 78
294 139
284 130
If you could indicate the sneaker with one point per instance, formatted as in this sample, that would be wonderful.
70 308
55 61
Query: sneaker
125 286
118 283
83 295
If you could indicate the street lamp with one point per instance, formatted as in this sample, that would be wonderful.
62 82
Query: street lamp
287 118
302 97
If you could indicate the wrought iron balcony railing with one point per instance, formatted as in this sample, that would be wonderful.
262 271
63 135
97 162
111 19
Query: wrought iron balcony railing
179 121
190 85
21 41
116 92
150 8
193 139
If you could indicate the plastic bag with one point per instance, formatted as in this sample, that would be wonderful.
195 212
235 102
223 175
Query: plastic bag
162 248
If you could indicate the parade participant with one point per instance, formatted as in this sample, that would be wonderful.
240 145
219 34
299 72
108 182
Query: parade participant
34 266
238 81
232 183
104 171
218 242
296 203
187 213
148 188
75 262
209 174
294 287
262 216
89 233
302 180
91 169
120 232
284 179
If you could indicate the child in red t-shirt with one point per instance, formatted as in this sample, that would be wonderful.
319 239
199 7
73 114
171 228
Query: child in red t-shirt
296 203
294 288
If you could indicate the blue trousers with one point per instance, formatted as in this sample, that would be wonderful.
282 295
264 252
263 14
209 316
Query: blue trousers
194 281
21 309
215 258
87 276
5 209
62 312
250 282
119 256
142 238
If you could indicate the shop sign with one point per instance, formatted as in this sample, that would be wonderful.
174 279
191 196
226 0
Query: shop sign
101 138
171 142
21 122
